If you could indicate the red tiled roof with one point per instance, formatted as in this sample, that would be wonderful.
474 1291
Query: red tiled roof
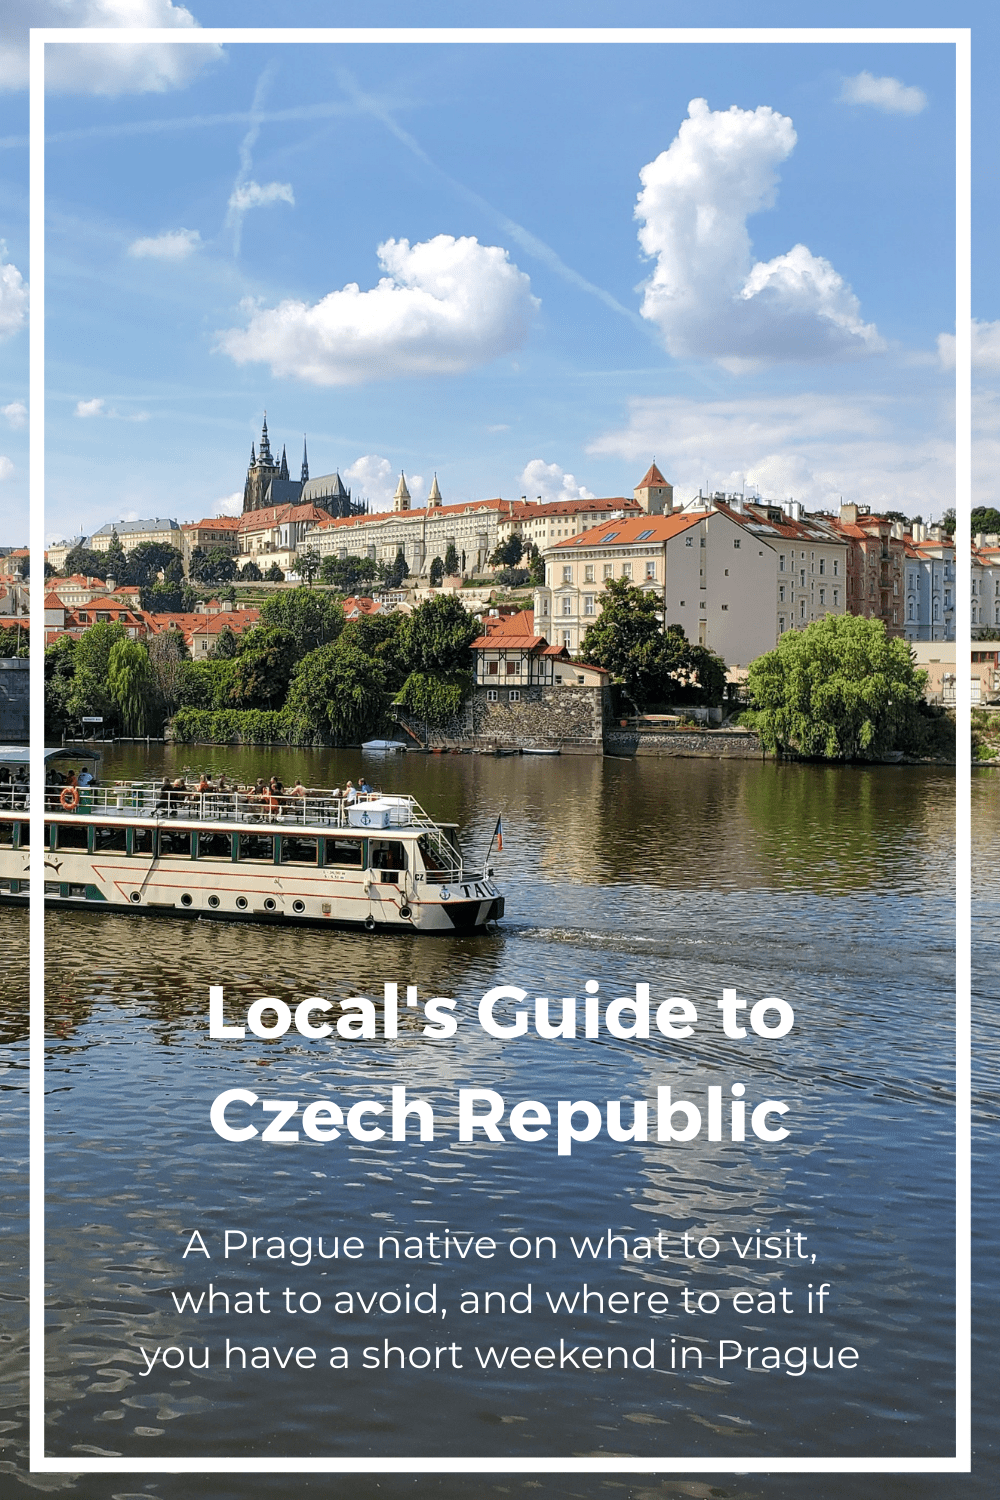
651 478
330 522
624 533
523 511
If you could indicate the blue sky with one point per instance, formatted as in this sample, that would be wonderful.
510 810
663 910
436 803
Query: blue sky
527 268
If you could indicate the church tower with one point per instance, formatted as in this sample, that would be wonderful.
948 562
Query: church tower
434 498
261 471
401 499
653 492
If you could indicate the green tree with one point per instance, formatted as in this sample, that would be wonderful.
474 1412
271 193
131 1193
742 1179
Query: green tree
839 690
312 619
86 561
146 562
337 694
380 637
450 560
309 565
274 574
434 699
437 636
627 639
115 561
132 685
250 573
949 521
509 553
263 667
90 693
227 645
536 566
60 669
984 518
167 598
167 653
436 572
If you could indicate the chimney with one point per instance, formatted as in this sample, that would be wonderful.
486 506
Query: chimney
849 514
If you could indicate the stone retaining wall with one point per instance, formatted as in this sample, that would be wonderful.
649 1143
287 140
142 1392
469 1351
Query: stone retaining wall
712 744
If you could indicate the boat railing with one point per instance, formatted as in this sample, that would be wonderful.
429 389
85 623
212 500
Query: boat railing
313 808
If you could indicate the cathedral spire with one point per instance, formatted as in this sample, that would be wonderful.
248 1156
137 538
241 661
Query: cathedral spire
284 463
305 461
265 446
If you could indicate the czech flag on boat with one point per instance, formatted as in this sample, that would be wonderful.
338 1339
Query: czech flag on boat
498 833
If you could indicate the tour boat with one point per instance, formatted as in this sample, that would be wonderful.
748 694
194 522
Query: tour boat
319 858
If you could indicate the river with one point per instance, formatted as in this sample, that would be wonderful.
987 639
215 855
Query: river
831 888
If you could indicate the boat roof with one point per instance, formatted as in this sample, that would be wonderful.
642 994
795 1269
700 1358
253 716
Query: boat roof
19 755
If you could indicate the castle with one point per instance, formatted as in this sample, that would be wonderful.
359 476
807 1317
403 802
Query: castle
268 483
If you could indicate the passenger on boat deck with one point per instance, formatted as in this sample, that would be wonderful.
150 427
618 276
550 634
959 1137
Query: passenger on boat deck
205 784
277 786
163 800
350 795
363 787
298 790
85 778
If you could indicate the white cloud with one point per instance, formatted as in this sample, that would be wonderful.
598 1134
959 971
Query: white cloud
94 408
97 408
551 483
985 346
13 298
6 467
706 295
444 306
814 447
887 94
372 478
172 244
16 414
230 505
253 195
114 68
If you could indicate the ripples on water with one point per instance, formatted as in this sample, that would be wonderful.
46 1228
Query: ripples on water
831 888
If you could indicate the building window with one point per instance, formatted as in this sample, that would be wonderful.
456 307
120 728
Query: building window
651 572
836 567
781 593
492 695
736 541
909 613
822 565
567 605
781 624
689 541
545 606
567 642
822 596
724 606
609 570
781 562
492 668
514 696
626 570
802 610
588 604
802 577
588 573
836 596
567 575
513 667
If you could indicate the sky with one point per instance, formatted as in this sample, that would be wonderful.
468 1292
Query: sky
528 269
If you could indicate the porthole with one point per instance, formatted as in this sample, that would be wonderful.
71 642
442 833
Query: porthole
186 899
298 906
269 903
135 897
213 901
241 903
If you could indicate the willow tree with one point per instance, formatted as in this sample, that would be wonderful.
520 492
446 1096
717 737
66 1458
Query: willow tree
132 685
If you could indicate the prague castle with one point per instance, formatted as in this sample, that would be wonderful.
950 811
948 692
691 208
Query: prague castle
268 484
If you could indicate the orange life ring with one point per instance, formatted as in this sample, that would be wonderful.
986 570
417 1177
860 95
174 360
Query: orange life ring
69 798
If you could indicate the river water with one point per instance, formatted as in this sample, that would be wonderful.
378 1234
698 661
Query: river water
829 888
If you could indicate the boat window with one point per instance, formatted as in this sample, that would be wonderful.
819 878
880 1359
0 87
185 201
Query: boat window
343 851
174 844
142 840
23 831
6 835
451 834
109 840
258 846
215 845
295 851
386 854
71 835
